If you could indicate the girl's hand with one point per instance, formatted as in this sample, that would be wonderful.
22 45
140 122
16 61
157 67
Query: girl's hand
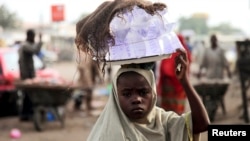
181 64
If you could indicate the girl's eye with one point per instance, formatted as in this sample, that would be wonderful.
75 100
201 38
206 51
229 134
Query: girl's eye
144 92
126 94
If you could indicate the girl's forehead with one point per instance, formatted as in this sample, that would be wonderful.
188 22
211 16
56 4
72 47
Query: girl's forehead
128 76
127 73
132 81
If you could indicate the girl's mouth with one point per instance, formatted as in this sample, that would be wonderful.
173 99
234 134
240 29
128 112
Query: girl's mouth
137 110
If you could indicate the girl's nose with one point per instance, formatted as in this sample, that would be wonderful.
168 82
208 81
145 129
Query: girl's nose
136 99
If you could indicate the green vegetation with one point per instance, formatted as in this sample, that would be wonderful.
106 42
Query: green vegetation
8 20
198 23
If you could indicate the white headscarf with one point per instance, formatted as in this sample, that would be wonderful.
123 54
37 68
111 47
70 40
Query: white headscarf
113 124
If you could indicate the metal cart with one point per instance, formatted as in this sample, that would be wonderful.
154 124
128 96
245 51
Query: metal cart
212 94
47 99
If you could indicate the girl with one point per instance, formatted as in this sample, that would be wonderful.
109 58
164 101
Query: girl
131 112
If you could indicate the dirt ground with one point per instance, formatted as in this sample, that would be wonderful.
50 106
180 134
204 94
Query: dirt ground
78 124
76 128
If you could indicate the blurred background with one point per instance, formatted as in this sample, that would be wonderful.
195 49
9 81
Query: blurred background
56 20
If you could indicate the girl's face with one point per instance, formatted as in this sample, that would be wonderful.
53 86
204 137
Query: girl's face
135 95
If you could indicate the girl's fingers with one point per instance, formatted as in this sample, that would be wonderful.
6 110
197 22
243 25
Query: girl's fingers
182 52
180 61
178 65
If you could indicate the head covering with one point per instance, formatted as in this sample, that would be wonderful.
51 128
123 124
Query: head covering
113 125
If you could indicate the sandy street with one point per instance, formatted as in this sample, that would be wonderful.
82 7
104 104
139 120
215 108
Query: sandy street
77 123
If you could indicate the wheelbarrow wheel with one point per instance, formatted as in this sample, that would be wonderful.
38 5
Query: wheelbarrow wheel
39 118
61 116
211 107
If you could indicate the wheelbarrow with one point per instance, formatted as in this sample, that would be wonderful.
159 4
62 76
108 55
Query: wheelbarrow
212 94
48 102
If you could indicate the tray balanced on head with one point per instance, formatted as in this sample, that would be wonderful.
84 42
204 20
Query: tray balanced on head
128 31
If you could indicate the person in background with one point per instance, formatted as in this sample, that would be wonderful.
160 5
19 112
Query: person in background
189 46
27 70
214 61
215 64
89 75
171 93
131 112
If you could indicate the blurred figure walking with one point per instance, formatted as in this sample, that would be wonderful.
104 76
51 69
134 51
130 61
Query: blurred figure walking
214 61
189 45
27 70
89 74
213 66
